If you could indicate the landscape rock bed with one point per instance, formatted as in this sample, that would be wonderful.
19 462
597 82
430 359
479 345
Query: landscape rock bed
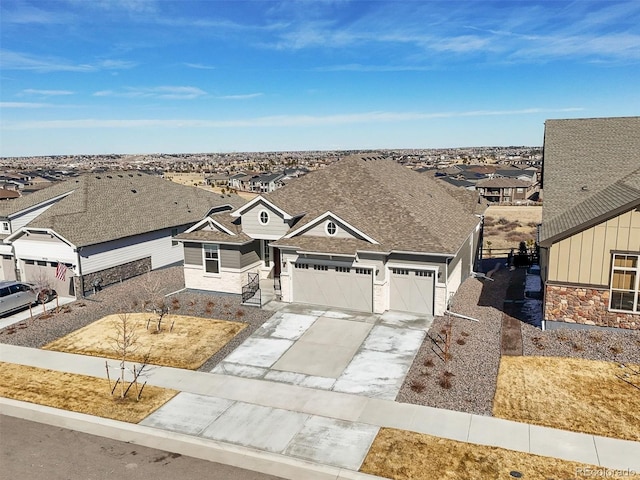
607 345
467 381
43 329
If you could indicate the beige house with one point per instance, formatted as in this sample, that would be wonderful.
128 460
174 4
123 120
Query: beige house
590 233
364 234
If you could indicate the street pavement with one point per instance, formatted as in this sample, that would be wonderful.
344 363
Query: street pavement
35 451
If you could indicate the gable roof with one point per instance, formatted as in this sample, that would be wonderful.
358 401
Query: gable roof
591 169
400 208
108 206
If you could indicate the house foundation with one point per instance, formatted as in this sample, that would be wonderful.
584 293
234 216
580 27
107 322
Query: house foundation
586 306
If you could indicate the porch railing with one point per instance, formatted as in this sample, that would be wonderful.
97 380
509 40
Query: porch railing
251 291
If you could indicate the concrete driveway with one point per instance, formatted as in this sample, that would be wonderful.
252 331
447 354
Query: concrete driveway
330 349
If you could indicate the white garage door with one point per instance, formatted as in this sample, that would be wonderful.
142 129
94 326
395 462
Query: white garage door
333 286
412 290
45 272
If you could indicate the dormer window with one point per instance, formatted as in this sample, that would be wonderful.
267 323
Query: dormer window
331 228
264 217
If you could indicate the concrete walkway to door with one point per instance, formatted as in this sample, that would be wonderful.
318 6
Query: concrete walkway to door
331 349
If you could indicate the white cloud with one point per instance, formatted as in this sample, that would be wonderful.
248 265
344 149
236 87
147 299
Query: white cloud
199 66
45 93
281 120
246 96
163 92
24 105
19 61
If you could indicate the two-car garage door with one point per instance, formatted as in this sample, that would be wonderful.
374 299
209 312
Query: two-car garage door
412 290
334 286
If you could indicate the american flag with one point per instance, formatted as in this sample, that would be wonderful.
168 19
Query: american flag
61 271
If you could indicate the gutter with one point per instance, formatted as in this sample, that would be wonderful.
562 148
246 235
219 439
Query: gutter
448 312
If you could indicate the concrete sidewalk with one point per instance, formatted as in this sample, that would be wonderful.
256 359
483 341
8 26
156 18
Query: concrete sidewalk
216 407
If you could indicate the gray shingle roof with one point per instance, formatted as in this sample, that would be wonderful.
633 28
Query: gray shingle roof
502 182
108 206
399 208
591 169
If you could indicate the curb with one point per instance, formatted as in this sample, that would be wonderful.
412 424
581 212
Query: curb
196 447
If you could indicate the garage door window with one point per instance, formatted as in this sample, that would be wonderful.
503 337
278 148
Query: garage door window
400 271
423 273
323 268
363 271
304 266
343 269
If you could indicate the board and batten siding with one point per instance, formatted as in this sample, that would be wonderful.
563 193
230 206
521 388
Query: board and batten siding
585 258
251 225
157 245
42 246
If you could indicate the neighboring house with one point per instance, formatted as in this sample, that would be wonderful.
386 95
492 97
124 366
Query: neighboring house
8 194
458 183
590 233
217 180
100 228
505 190
364 233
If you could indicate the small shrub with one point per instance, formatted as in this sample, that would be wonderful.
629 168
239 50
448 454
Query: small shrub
464 334
562 335
81 304
532 225
461 341
445 380
596 336
503 221
616 349
489 221
537 341
577 346
240 313
418 386
428 362
211 304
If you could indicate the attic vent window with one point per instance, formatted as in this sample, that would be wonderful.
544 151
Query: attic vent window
264 217
331 228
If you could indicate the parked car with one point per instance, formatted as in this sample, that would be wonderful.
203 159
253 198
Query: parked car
16 295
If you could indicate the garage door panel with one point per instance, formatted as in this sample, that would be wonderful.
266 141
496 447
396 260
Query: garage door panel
412 290
341 288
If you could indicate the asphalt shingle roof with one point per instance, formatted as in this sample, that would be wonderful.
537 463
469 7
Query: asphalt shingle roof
397 207
591 168
109 206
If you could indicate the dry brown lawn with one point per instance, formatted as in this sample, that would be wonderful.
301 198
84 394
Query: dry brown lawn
78 393
403 455
188 345
525 216
568 393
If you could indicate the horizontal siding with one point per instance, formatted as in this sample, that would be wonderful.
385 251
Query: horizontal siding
249 254
157 245
229 256
53 250
251 225
341 232
585 258
192 253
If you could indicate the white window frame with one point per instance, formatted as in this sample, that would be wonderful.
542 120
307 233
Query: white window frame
210 247
335 228
6 227
636 293
260 217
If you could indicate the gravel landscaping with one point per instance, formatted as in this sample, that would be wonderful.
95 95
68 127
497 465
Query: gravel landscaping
607 345
43 329
467 381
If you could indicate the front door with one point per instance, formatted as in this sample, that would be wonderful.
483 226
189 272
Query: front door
276 262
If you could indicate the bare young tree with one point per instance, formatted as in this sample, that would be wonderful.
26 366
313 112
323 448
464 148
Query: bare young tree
43 287
154 299
124 343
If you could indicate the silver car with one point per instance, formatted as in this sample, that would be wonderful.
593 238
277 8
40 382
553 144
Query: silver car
16 295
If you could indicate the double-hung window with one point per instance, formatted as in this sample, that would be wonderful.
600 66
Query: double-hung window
625 283
211 259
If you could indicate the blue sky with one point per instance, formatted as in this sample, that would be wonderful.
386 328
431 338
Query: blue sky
143 76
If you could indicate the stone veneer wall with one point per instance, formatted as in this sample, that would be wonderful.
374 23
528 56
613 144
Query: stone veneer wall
587 306
113 275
